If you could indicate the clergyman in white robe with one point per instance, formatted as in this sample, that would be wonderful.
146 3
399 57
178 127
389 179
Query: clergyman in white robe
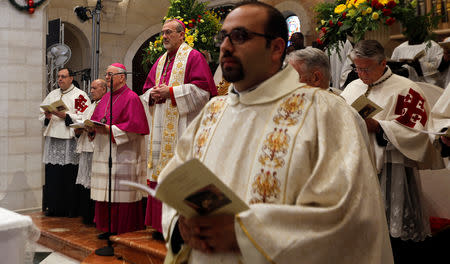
296 155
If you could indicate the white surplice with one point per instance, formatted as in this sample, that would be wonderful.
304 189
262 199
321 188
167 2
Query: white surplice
337 63
85 148
441 111
429 63
296 155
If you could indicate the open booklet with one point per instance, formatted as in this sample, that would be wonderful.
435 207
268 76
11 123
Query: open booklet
419 55
86 123
192 189
366 107
55 106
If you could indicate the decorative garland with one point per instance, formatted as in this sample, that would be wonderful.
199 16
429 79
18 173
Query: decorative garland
30 7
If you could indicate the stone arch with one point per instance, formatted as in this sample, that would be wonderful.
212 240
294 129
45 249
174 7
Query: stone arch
303 13
81 50
134 47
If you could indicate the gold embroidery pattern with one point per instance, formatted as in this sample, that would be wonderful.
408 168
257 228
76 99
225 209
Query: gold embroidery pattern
266 185
200 142
289 111
169 136
274 149
212 114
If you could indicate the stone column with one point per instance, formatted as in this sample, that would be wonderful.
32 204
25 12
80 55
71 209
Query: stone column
22 88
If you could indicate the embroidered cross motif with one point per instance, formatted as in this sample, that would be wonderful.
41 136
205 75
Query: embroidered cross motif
80 103
411 109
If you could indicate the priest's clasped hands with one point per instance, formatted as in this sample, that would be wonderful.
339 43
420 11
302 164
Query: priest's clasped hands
160 93
209 234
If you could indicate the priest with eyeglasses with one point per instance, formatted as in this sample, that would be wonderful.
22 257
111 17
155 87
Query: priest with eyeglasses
179 84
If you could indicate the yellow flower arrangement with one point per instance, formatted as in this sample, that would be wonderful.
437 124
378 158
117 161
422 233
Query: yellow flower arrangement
354 17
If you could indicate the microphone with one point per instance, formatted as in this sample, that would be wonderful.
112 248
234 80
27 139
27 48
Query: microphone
121 73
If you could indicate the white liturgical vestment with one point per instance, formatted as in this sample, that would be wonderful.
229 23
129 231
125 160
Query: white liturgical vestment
429 62
296 156
404 108
76 100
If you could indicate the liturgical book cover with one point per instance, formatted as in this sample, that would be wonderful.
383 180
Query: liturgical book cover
366 107
55 106
192 189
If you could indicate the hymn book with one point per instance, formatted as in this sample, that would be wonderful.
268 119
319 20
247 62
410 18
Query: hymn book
55 106
366 107
86 123
192 189
416 57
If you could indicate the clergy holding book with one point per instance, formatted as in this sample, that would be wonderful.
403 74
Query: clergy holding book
85 147
179 84
60 157
293 153
399 147
129 127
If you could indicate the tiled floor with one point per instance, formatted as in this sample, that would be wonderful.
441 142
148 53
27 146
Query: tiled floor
44 255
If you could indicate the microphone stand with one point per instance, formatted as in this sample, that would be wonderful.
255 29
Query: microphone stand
109 250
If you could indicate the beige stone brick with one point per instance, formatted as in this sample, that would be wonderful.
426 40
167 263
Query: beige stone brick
33 198
3 127
13 200
33 127
34 91
16 55
34 162
4 147
4 111
16 127
16 109
35 56
4 17
16 90
16 162
4 91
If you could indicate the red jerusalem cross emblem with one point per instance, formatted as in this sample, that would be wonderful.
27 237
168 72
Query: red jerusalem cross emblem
411 109
80 103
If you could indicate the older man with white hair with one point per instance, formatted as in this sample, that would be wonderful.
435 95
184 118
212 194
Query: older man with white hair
129 126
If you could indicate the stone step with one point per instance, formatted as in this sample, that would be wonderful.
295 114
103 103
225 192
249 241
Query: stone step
72 238
139 247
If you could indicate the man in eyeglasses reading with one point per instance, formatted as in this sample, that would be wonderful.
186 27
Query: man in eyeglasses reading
278 144
60 157
399 146
179 84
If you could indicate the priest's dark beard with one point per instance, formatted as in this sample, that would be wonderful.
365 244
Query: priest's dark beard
233 75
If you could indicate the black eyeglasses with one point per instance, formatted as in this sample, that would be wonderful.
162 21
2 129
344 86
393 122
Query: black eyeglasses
238 36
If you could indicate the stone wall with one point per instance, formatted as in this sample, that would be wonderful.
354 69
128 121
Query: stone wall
22 78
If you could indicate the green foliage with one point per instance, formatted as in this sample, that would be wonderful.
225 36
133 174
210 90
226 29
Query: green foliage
201 27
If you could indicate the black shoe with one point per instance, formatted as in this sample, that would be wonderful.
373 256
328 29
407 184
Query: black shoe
156 235
106 235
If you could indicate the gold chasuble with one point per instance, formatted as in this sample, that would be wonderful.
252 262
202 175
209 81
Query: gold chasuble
169 135
296 155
